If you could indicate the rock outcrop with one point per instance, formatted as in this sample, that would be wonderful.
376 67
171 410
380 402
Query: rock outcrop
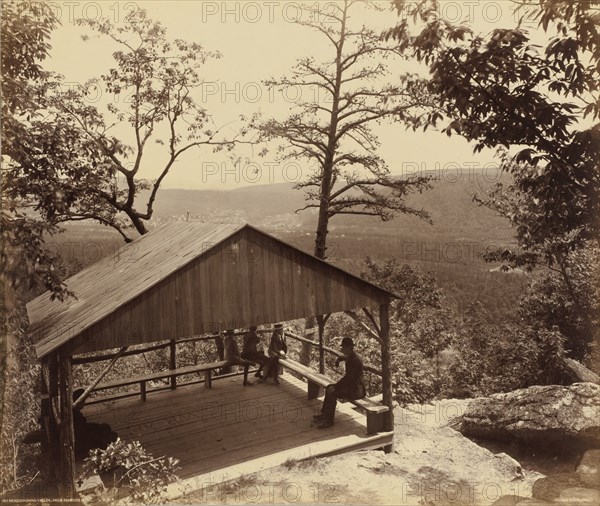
581 487
543 416
589 468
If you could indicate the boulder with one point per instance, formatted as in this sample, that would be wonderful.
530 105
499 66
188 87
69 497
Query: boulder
589 468
550 416
550 487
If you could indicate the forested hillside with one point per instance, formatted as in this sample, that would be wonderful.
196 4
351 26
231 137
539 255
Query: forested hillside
449 203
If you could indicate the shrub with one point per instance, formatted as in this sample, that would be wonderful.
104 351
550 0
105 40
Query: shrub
136 474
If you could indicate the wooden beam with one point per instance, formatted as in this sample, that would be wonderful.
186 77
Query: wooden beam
53 387
386 378
364 326
110 356
138 351
81 399
307 332
370 316
67 435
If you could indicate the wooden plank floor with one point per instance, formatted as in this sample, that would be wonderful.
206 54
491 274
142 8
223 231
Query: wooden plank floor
231 430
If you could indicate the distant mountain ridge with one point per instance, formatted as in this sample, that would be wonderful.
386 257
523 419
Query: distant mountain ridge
272 206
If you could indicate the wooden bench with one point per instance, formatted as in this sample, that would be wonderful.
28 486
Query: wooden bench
155 376
316 381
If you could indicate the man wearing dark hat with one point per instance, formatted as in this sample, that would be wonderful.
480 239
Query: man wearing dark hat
351 386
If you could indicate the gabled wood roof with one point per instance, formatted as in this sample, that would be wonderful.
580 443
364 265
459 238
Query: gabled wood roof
184 279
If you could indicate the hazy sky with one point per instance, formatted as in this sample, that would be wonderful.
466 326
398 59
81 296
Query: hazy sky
258 40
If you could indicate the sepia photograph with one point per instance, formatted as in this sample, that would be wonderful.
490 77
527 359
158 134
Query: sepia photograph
282 252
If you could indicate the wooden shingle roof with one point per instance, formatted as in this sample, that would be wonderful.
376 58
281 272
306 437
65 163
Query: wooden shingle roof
177 280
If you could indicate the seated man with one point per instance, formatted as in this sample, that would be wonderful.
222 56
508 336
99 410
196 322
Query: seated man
89 436
277 349
350 386
232 354
250 351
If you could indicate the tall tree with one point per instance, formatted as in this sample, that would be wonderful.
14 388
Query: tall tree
25 261
340 98
152 87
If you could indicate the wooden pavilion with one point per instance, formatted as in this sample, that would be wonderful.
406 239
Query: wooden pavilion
186 281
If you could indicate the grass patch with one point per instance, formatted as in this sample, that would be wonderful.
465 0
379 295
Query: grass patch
304 464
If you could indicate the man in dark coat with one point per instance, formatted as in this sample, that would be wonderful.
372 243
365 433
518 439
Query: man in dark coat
351 386
277 349
250 351
89 435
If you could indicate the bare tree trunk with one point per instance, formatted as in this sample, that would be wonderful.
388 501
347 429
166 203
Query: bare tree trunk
138 223
327 178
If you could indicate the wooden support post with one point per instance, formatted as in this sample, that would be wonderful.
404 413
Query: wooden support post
314 390
67 435
44 410
208 378
52 426
173 363
386 378
321 325
143 390
375 423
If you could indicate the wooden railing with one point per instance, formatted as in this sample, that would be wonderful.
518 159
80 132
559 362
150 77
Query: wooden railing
172 345
337 353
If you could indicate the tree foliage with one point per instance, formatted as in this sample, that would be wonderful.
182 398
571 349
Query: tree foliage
30 142
499 357
502 90
566 298
138 477
540 107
